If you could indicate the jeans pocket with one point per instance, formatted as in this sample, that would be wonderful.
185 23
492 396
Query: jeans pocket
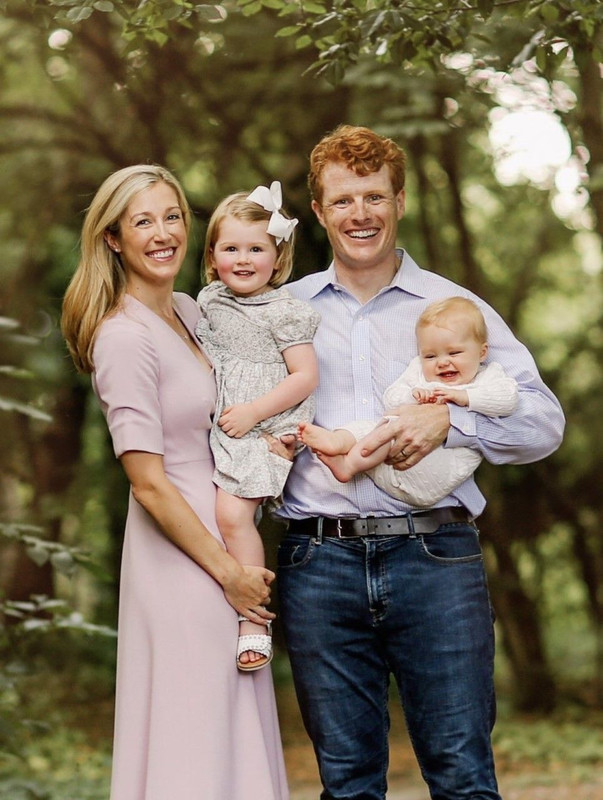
453 544
295 551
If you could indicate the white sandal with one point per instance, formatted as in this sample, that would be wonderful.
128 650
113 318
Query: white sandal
258 643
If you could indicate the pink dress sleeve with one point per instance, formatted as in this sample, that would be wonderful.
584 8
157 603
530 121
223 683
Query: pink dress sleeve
126 380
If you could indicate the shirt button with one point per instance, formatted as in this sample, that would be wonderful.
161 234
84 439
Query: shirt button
361 358
364 401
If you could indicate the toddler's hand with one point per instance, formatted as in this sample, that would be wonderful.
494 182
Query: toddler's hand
238 420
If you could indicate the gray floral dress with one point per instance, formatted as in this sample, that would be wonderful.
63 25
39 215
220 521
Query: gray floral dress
245 338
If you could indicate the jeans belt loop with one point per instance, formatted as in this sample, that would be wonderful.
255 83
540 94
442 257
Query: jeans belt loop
319 524
411 525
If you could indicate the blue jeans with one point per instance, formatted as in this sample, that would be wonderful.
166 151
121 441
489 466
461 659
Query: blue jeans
355 611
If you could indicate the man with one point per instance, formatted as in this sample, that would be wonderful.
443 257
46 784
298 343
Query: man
370 587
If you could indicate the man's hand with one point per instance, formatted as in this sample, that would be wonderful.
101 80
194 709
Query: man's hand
284 447
414 432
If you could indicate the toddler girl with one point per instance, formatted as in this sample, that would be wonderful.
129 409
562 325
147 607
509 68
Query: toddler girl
260 341
453 342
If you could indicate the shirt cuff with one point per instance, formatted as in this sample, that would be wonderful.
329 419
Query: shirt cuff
463 427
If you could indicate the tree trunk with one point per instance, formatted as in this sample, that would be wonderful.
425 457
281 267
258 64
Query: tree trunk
506 519
591 123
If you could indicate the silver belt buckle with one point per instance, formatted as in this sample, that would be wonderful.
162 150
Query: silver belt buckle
341 534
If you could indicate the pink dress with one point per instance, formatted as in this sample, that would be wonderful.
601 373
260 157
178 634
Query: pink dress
188 724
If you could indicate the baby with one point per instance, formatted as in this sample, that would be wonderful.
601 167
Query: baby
452 340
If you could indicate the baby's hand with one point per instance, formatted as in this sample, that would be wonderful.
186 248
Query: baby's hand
424 395
238 420
457 396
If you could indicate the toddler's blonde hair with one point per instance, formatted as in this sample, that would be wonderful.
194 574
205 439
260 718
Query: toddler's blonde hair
238 206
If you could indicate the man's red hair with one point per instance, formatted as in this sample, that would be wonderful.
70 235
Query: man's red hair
359 149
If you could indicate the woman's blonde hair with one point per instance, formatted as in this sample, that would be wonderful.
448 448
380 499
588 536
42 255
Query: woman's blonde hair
99 282
459 307
238 206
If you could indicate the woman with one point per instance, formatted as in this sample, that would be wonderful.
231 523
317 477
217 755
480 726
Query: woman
188 725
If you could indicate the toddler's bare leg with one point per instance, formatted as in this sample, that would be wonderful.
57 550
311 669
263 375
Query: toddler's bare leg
321 440
235 516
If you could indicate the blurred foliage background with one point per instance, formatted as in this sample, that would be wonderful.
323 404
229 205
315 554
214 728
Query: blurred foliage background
498 105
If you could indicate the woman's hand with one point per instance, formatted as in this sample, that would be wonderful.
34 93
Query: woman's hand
248 592
247 589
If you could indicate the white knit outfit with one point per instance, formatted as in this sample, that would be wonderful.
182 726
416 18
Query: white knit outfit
491 393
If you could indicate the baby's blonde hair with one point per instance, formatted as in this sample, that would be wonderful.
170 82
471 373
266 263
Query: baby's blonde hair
455 307
238 206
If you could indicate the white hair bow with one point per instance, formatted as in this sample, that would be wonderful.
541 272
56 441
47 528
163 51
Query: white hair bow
272 199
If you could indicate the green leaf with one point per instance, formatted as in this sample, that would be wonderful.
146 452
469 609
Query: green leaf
372 24
7 404
23 605
252 8
335 73
314 8
63 562
104 5
288 10
211 13
275 4
541 58
79 14
159 37
290 30
16 372
35 624
12 612
39 555
548 12
303 41
8 324
173 13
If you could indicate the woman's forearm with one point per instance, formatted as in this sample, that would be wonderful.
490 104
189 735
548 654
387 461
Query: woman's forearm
245 588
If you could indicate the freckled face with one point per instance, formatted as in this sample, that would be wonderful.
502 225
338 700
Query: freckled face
360 215
152 237
450 354
244 256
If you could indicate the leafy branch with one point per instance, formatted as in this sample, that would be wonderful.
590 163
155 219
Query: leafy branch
63 558
9 335
396 32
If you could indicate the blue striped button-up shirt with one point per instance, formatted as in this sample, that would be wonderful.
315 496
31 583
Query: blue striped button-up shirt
362 348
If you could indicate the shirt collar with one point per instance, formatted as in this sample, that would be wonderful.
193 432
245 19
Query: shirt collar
408 278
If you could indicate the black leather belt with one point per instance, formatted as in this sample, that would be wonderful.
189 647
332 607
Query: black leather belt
411 524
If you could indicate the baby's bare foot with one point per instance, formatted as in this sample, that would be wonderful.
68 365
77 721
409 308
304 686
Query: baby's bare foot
319 440
338 466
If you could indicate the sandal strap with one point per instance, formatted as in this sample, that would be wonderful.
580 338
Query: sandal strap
256 642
